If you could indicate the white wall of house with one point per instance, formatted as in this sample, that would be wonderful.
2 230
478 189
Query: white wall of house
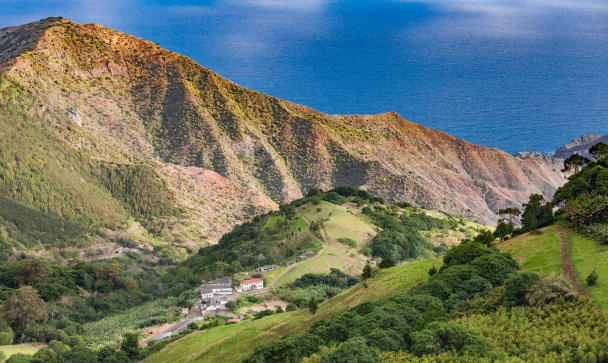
252 286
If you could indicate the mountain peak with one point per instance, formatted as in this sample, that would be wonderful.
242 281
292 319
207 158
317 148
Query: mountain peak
140 104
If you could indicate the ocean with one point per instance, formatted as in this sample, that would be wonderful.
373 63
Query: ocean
504 74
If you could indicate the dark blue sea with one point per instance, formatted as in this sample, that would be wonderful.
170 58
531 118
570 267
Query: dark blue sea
505 74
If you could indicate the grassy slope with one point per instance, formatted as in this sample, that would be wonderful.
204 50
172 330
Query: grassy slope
341 224
9 350
588 254
234 342
539 254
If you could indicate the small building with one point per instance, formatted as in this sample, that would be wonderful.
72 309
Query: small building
253 284
206 293
185 311
221 285
306 255
238 288
233 320
264 269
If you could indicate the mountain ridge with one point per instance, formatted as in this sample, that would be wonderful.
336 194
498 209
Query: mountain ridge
142 105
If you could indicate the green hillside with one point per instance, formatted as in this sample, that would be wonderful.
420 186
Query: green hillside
231 343
542 254
536 253
344 226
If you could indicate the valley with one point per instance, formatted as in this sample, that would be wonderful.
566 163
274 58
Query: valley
152 210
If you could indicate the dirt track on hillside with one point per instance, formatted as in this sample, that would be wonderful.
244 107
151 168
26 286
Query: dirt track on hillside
566 262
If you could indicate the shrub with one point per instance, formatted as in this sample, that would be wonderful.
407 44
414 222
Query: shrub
366 251
264 313
387 263
349 242
549 290
592 278
6 338
432 271
517 287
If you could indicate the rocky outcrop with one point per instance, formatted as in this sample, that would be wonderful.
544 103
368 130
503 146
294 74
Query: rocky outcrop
74 116
580 146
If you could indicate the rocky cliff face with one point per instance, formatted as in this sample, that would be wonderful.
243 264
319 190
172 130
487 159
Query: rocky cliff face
224 152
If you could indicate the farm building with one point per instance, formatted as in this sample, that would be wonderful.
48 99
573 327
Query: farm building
253 284
264 268
221 285
305 255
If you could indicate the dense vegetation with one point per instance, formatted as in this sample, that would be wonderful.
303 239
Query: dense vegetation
584 199
318 286
400 238
476 308
41 302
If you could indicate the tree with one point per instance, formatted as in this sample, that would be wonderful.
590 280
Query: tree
441 337
80 354
34 271
367 271
288 210
387 263
592 278
511 213
232 306
435 312
486 238
354 350
279 309
502 230
517 287
599 150
433 271
575 163
313 306
130 344
313 192
291 307
24 308
537 213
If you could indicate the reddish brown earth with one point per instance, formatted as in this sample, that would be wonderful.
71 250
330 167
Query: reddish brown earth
228 153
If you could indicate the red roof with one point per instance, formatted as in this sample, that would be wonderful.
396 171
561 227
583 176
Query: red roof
251 281
231 320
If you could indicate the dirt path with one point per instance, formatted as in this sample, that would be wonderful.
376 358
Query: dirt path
567 265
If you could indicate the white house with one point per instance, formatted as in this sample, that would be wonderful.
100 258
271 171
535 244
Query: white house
254 284
206 293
